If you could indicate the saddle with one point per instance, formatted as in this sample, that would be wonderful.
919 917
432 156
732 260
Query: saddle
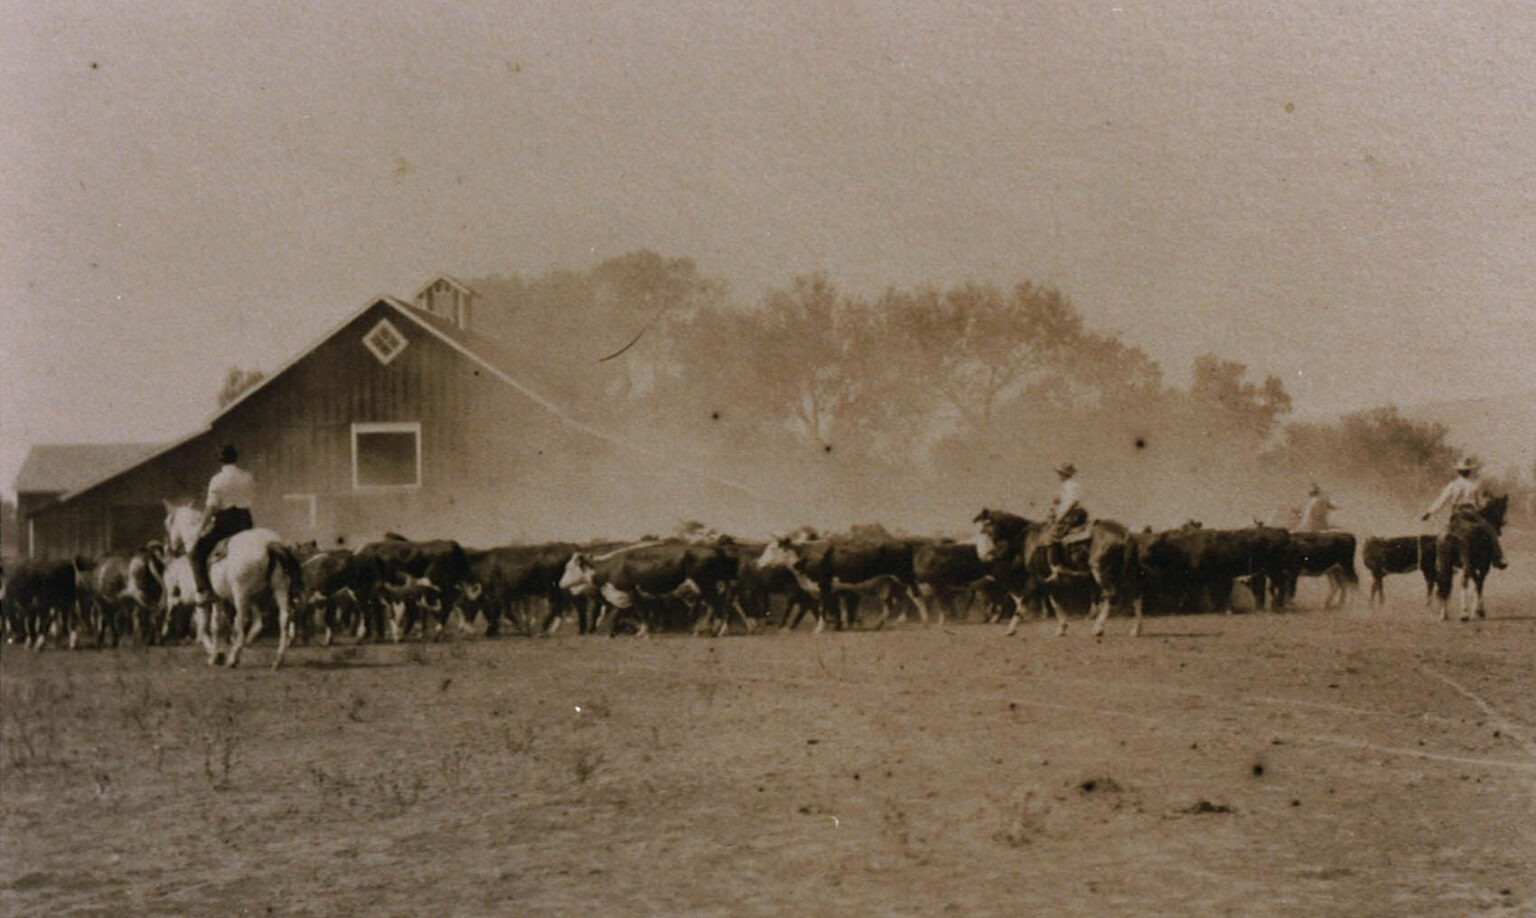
1076 534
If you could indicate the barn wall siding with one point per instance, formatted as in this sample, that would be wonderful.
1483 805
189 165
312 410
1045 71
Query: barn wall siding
496 466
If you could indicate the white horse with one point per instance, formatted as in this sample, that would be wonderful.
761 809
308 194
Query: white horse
257 567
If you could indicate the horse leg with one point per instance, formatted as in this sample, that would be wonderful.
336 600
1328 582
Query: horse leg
238 628
285 622
1060 613
1100 611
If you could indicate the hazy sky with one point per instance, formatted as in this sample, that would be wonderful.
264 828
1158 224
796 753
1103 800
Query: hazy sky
1347 201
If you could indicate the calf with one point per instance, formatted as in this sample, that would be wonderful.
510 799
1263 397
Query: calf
1399 555
1329 553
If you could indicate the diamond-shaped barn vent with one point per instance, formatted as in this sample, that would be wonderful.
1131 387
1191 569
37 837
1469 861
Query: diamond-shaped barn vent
385 341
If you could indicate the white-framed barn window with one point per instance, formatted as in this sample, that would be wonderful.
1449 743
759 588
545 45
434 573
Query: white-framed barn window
384 341
386 456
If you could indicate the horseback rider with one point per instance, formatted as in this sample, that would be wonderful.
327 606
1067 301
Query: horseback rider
1467 495
1067 513
1314 516
231 492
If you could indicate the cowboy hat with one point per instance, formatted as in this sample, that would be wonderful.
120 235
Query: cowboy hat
1468 464
1066 470
227 454
1315 489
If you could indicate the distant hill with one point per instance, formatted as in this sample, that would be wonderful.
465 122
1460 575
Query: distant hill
1500 429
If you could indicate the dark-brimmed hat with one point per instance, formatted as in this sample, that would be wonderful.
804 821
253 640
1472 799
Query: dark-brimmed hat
1315 489
228 454
1066 470
1468 464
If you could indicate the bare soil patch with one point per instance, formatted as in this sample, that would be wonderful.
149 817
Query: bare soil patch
1298 764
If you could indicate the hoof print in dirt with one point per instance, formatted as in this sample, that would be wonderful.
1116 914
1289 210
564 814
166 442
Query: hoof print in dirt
1207 808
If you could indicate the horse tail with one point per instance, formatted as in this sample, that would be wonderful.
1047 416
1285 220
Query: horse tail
281 557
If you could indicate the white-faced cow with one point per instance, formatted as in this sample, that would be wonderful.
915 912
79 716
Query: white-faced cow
643 581
839 572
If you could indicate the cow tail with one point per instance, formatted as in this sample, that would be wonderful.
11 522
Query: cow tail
1350 574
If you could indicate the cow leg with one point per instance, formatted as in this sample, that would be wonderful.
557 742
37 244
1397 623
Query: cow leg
921 598
1378 590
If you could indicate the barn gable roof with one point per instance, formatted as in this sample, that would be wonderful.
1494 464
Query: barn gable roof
476 348
58 468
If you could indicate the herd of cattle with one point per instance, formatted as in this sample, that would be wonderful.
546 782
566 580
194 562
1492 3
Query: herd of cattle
705 582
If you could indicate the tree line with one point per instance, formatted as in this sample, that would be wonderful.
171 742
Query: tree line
928 395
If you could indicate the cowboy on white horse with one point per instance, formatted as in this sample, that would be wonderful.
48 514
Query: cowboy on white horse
1314 516
1467 495
228 511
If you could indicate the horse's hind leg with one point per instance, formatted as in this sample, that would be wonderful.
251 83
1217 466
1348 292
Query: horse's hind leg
237 630
285 627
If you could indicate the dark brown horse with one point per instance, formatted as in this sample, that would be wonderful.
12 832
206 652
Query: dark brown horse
1468 546
1106 564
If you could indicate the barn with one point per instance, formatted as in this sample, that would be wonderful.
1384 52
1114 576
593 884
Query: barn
402 419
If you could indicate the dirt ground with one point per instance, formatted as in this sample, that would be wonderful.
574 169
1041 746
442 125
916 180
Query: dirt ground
1312 763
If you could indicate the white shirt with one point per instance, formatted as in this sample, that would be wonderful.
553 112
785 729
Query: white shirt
1461 492
1066 498
231 487
1315 517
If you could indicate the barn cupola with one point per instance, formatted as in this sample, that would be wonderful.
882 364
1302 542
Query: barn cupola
448 299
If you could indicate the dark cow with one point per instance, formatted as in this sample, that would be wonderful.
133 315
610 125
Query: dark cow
839 571
505 583
1330 553
945 570
125 592
642 581
411 579
40 596
1195 568
1399 555
755 587
333 593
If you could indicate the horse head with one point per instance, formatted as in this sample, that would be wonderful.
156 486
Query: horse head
183 522
1495 510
